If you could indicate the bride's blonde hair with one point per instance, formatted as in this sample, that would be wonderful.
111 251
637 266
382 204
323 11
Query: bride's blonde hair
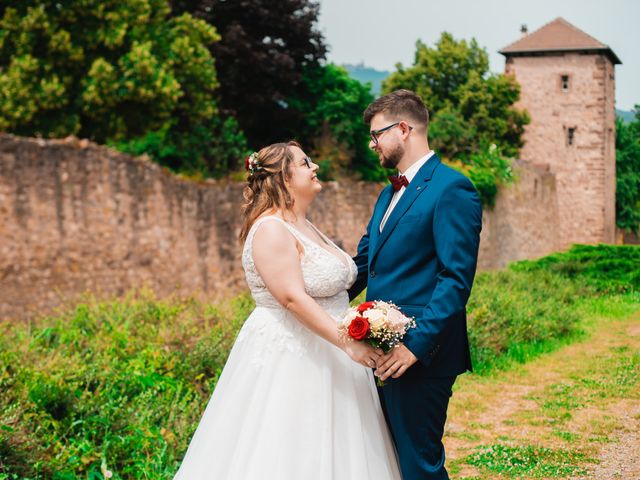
266 189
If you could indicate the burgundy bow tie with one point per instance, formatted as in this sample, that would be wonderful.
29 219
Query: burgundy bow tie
398 182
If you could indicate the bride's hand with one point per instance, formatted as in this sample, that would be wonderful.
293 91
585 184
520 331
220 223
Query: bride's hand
363 354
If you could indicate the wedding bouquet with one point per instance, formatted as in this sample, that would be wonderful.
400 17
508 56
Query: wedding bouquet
380 324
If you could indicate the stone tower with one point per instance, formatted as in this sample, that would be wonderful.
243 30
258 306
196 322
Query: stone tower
567 81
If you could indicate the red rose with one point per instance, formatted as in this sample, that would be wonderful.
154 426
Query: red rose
359 328
246 163
363 307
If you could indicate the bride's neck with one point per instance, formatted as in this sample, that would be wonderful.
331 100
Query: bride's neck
298 214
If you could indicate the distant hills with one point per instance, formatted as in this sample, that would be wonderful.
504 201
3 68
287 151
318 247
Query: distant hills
625 116
367 75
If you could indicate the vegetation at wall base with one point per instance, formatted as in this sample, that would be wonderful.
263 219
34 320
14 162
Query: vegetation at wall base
120 385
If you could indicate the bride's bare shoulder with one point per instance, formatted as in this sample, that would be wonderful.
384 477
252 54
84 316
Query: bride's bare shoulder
272 234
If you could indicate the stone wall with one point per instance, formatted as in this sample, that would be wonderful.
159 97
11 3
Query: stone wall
524 224
76 217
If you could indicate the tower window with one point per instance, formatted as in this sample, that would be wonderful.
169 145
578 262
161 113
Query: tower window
571 134
564 83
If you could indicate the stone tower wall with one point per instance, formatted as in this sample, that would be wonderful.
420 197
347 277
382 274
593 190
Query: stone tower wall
585 170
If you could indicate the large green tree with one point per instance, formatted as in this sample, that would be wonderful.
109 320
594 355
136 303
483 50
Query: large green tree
333 125
473 120
470 107
265 48
117 72
628 173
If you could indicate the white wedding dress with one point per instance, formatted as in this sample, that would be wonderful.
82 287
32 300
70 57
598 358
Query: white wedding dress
289 405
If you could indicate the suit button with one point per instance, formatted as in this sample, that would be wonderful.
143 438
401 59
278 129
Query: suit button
372 274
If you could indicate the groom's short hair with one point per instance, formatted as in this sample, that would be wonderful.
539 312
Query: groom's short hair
399 105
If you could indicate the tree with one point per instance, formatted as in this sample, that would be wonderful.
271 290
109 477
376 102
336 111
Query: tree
469 107
333 123
114 72
266 47
628 173
472 112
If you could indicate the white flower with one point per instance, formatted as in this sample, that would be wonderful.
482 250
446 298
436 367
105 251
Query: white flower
397 321
376 318
344 322
384 306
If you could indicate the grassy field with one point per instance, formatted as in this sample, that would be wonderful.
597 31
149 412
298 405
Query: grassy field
573 413
120 385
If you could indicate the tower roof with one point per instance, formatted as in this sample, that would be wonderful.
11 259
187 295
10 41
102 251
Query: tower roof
558 36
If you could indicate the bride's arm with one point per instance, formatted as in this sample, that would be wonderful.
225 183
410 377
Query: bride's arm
276 256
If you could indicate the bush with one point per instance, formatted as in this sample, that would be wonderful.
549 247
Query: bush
124 73
509 309
114 385
606 268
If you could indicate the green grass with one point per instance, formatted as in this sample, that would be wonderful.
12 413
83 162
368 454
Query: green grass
535 307
120 385
117 385
606 268
529 461
615 375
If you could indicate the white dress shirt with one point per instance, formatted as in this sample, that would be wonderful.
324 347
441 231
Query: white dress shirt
410 173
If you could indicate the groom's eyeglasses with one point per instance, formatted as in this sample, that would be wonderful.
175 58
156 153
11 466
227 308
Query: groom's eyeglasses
376 134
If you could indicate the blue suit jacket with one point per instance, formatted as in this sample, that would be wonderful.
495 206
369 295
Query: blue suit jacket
424 261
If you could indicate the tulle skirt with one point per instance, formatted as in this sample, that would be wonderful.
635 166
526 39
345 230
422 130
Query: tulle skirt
290 406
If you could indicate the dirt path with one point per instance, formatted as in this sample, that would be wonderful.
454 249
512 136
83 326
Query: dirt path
574 413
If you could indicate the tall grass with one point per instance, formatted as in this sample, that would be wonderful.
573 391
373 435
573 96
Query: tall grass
115 386
119 386
536 305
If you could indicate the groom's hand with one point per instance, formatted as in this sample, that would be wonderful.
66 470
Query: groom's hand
395 363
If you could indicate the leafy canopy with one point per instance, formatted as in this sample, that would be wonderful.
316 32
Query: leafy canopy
265 48
114 72
333 123
472 111
628 173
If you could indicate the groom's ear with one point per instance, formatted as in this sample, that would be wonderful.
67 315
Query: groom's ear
405 128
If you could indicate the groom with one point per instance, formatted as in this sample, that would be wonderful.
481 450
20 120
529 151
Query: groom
419 252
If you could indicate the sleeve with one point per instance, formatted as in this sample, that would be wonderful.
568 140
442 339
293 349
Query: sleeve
457 223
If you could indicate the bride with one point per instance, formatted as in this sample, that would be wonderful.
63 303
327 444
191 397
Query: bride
295 400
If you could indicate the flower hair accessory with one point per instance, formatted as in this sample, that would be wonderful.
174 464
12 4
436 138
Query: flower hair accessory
251 164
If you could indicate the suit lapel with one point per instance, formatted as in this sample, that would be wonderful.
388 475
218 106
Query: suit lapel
378 214
417 186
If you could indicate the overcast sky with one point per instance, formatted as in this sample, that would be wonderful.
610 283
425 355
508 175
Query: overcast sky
381 33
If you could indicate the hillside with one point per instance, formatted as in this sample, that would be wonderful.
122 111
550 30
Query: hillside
366 74
627 116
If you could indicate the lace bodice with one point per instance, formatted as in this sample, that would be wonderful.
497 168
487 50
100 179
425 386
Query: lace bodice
326 277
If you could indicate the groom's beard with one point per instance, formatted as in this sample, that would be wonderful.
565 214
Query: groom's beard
392 158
